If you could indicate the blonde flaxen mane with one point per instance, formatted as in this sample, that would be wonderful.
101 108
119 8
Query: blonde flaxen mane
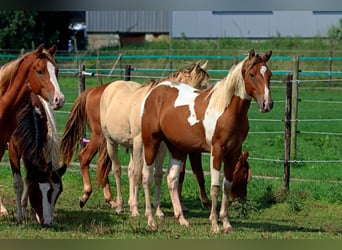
223 91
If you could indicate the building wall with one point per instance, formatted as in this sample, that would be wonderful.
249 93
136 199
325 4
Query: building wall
128 21
209 24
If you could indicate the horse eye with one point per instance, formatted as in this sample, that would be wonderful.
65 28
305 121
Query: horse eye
40 72
251 75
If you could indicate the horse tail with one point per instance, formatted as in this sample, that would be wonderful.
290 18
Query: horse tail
104 164
75 127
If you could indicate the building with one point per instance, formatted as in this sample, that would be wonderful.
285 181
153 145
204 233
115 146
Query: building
110 28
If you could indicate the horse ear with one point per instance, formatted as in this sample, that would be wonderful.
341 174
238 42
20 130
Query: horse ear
61 170
52 50
204 65
251 54
268 55
245 155
249 178
196 67
40 49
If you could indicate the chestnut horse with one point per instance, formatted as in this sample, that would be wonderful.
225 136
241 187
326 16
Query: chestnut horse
35 140
212 120
33 72
120 123
86 110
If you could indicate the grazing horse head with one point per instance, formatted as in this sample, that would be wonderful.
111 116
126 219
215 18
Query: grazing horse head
257 75
241 177
32 141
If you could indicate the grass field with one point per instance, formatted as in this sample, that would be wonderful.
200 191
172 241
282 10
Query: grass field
311 210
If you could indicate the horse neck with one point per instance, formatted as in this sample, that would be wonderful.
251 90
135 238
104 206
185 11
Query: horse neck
17 91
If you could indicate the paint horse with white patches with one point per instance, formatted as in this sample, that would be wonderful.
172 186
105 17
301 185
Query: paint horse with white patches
213 120
33 72
120 122
86 110
35 140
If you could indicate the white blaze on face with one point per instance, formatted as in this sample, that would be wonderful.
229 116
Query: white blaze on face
56 190
47 215
53 79
263 70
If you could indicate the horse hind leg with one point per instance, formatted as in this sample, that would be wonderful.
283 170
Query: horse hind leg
172 182
85 156
227 186
197 169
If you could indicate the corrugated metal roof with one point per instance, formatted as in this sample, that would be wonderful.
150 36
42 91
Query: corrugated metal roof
128 21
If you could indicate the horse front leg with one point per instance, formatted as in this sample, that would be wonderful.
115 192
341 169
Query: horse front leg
215 164
18 183
227 187
147 173
175 166
133 189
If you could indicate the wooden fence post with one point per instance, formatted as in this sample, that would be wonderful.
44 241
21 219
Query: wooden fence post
287 139
128 72
294 109
98 67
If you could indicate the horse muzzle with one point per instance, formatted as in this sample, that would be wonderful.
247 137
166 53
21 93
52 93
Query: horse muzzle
58 103
265 106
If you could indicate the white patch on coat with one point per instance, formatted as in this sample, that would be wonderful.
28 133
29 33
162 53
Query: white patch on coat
47 215
209 123
263 70
186 97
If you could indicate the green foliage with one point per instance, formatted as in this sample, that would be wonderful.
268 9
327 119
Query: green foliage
335 32
17 29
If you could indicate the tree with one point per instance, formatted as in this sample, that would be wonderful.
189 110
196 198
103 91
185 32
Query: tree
17 29
335 32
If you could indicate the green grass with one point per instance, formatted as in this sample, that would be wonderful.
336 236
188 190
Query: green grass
311 210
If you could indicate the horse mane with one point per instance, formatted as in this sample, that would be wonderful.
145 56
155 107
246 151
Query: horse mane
30 134
223 91
51 151
7 72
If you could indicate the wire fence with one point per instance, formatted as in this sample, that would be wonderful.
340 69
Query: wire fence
306 84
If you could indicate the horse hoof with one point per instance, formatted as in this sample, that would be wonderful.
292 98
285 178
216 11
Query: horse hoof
82 203
215 229
228 230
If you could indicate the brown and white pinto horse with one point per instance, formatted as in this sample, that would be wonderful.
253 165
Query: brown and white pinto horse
86 109
33 72
120 122
213 120
35 140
